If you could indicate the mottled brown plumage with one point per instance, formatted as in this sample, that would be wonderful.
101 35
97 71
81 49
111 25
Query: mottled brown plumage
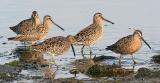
92 33
37 33
55 45
25 26
129 44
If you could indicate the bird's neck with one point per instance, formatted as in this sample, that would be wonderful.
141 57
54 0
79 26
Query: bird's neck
98 22
47 24
137 37
37 21
71 41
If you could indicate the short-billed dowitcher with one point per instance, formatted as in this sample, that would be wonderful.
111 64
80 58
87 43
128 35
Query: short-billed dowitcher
128 45
36 33
55 46
92 33
27 25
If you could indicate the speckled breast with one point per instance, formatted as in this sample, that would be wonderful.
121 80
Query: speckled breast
132 47
93 36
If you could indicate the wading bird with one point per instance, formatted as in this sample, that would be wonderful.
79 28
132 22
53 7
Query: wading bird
25 26
37 33
92 33
128 45
55 46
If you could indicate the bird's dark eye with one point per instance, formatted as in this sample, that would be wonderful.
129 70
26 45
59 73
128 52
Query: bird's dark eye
99 15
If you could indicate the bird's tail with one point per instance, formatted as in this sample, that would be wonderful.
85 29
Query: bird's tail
11 38
108 48
14 28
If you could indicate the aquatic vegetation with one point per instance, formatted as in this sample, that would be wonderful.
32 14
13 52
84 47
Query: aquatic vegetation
143 72
148 73
91 69
6 76
14 63
108 70
8 72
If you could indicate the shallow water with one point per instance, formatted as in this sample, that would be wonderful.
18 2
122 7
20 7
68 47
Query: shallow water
74 15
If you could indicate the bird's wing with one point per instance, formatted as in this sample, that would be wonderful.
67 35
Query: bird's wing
23 26
125 41
85 33
54 44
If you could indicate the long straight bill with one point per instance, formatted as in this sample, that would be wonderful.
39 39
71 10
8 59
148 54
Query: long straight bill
57 25
107 20
146 43
73 50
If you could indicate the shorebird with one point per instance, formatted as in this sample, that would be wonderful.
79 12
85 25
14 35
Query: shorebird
55 46
25 26
128 45
37 33
92 33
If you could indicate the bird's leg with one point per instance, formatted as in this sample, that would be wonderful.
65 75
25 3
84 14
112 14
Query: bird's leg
134 62
82 51
120 59
24 43
51 74
30 45
90 52
53 62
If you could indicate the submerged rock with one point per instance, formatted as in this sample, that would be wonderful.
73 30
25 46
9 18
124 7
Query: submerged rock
143 72
83 65
9 69
8 72
156 59
147 73
91 69
108 70
102 58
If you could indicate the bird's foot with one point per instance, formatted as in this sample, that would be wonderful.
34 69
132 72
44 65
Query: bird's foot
84 58
50 65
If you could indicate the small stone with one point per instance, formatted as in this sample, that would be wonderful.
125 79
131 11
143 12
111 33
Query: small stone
156 59
102 58
143 72
4 43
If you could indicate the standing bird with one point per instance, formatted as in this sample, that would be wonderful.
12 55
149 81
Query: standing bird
26 25
37 33
128 45
92 33
55 46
